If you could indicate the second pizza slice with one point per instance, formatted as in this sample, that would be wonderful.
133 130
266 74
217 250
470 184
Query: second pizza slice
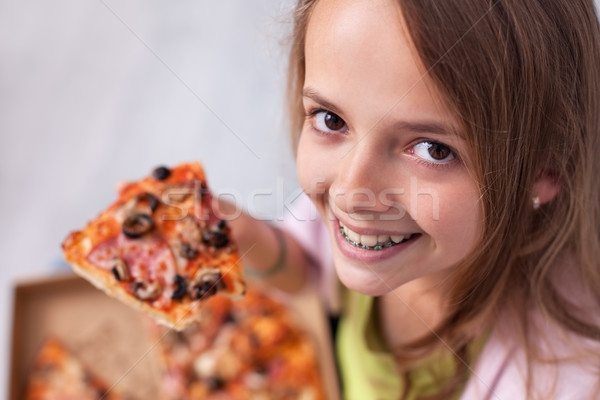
160 248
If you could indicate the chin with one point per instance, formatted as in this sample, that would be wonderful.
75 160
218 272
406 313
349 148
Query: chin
363 281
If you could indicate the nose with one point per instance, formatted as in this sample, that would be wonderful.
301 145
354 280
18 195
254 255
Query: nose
363 188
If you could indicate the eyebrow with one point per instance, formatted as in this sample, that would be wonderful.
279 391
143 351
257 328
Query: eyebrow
317 98
426 127
432 127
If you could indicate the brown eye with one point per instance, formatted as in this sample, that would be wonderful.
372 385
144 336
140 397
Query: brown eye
438 151
333 122
326 121
434 153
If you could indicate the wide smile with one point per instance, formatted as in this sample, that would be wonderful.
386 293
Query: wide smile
372 242
371 246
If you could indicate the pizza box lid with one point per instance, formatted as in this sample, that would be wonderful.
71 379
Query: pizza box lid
111 339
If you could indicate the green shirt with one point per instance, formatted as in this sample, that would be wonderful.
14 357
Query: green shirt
369 371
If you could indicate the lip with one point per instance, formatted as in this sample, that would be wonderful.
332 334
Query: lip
367 256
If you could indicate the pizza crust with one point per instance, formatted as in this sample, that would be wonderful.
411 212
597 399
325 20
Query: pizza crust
179 316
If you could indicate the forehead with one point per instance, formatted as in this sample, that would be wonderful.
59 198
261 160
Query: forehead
356 28
359 55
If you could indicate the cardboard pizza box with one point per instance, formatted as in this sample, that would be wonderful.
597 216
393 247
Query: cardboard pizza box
111 338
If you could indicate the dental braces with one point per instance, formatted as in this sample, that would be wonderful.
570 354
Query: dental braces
365 247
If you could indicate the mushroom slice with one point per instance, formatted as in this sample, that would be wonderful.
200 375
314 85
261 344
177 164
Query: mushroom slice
191 239
145 290
206 283
121 270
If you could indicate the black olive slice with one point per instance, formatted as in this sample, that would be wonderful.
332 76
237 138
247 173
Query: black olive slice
219 239
148 198
214 383
180 337
187 251
203 190
161 173
261 369
180 287
137 225
218 235
216 239
229 318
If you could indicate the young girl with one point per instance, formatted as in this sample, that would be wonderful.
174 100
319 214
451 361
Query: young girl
451 149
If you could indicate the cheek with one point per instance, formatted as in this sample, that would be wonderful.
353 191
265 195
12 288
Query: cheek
314 167
460 217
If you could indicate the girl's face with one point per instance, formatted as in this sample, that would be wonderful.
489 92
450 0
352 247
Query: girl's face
380 153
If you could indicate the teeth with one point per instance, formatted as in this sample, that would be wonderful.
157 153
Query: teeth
355 237
373 240
383 238
368 240
397 239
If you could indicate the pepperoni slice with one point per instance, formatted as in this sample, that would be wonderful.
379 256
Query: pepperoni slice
150 259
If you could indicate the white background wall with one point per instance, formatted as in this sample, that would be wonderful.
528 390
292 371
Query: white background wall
93 92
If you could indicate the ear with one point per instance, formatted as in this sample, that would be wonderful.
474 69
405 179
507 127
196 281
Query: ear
547 186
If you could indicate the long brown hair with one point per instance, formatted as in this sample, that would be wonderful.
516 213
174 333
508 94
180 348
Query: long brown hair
523 79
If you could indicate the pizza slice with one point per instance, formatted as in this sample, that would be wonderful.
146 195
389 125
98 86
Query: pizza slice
248 349
58 375
160 248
